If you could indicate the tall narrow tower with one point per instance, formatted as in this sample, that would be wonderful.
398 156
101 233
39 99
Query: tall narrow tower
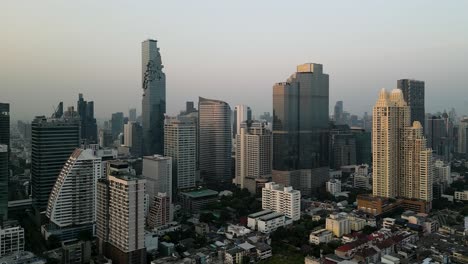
154 98
413 94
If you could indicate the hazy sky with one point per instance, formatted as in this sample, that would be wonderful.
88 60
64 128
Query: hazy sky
231 50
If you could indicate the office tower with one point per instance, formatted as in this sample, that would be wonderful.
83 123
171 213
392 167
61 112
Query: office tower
53 141
189 108
253 154
281 199
438 132
215 142
401 162
342 146
192 116
120 219
413 94
157 171
5 124
463 137
71 207
132 116
87 121
160 211
363 145
338 113
180 144
105 138
300 129
133 138
4 173
154 98
417 162
241 113
117 124
58 112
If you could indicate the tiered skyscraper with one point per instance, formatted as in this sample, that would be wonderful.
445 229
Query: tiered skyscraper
401 162
154 98
413 94
215 142
53 141
300 129
87 120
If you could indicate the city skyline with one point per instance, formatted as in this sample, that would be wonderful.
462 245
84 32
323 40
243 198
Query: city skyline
97 70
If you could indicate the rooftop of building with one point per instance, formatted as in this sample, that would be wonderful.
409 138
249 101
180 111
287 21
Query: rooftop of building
200 193
271 216
156 157
261 213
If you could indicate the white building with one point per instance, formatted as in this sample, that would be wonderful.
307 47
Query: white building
334 186
338 224
157 171
388 222
253 154
267 221
180 143
283 200
11 240
463 196
320 236
442 172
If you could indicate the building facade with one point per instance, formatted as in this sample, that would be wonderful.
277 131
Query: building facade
11 240
281 199
413 95
160 211
214 120
241 113
157 171
4 179
88 124
133 138
300 129
154 98
53 141
338 224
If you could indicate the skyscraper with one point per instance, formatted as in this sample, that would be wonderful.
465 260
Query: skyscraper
215 142
5 124
87 121
133 138
157 171
180 145
338 113
438 132
462 147
413 94
342 146
241 113
132 116
117 124
154 98
402 164
120 215
71 207
300 129
53 141
253 154
4 173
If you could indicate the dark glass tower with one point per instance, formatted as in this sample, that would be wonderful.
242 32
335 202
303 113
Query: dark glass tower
117 124
87 120
154 98
214 119
5 124
53 141
413 93
300 129
4 158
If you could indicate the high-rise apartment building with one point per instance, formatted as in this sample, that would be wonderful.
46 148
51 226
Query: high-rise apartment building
180 144
160 211
120 215
281 199
117 124
300 129
53 141
4 173
253 154
157 171
72 204
133 138
241 113
132 115
88 124
154 98
413 94
402 164
214 120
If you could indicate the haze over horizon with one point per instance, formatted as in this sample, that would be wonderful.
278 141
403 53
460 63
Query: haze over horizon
233 51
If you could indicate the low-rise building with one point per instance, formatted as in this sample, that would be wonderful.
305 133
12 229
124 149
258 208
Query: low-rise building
338 224
388 222
267 221
11 240
356 223
320 236
194 201
462 196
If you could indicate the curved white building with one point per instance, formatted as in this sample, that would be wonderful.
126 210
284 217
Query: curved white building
73 197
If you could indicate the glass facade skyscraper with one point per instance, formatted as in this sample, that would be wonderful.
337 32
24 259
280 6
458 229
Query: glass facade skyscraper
300 129
154 98
87 121
413 94
215 142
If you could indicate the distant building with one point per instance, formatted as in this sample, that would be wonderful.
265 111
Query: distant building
117 124
215 142
320 236
338 224
363 145
413 94
342 146
194 201
4 179
439 132
462 196
338 113
242 113
53 141
281 199
157 171
160 211
133 138
362 178
120 215
300 129
132 115
253 154
11 240
105 138
333 186
88 124
463 137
